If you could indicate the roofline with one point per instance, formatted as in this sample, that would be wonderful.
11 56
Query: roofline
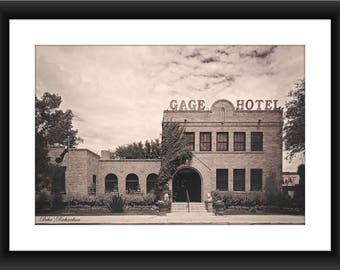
84 149
237 111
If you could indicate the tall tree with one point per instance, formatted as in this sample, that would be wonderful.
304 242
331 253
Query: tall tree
51 126
137 150
175 151
294 128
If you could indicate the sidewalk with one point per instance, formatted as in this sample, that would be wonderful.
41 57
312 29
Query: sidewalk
173 218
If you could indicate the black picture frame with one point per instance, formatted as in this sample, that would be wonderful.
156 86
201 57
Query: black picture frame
167 10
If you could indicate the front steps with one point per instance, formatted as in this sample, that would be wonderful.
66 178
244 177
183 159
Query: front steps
183 207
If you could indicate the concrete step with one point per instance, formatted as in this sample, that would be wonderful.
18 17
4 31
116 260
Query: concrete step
182 207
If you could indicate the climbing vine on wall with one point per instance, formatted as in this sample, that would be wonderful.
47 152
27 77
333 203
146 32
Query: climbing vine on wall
175 151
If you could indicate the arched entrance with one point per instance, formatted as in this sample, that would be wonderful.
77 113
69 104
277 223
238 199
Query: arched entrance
186 179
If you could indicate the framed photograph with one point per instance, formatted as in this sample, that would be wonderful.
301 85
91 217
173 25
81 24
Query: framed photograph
151 129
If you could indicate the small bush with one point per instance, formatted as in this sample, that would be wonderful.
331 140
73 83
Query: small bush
116 204
43 200
150 199
164 204
57 202
279 199
134 199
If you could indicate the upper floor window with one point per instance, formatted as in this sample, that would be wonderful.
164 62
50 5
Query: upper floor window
222 141
205 141
256 141
190 137
239 141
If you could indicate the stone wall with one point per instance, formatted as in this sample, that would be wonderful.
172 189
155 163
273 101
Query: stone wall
121 168
80 165
224 118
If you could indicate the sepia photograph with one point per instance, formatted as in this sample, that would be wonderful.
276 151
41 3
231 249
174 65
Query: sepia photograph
169 135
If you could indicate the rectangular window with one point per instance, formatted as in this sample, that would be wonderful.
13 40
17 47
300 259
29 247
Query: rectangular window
93 187
222 179
256 179
190 137
239 141
205 141
256 141
222 141
239 180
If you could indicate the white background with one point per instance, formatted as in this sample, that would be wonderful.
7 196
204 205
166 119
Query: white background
25 34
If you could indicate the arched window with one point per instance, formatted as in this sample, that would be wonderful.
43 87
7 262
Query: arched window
132 183
151 182
111 183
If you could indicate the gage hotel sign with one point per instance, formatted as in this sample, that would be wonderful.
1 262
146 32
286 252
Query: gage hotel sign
199 105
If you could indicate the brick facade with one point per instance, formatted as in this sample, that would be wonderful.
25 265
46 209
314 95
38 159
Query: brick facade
82 164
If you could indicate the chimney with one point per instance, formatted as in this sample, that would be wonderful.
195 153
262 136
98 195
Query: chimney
105 154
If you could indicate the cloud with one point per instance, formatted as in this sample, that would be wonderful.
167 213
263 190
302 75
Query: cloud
259 53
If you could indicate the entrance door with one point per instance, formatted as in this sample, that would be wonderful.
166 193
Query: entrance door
186 180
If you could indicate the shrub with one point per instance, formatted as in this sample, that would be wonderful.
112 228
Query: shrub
140 200
253 199
77 200
164 204
43 200
57 202
279 199
235 199
298 202
150 198
134 199
101 200
116 203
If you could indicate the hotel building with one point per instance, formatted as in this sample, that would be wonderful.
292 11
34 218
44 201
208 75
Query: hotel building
233 150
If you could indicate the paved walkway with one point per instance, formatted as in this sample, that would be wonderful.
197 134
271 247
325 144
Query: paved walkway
173 218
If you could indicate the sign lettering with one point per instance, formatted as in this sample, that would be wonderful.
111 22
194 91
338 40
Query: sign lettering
241 105
193 105
269 105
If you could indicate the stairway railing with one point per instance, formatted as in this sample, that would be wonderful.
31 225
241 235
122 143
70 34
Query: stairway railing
188 200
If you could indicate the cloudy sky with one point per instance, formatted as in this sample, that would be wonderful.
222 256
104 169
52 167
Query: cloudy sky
118 93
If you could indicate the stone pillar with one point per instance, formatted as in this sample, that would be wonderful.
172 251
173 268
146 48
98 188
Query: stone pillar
247 176
197 141
230 179
142 181
213 141
121 183
231 141
248 141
